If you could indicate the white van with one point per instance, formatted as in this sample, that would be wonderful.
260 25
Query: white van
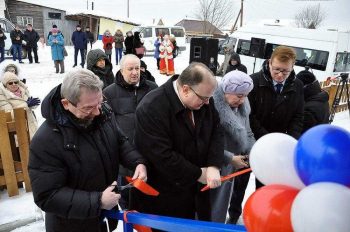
149 35
327 53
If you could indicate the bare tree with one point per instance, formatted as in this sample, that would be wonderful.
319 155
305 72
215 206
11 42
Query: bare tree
216 12
310 17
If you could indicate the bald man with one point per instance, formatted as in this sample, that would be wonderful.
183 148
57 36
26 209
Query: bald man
178 131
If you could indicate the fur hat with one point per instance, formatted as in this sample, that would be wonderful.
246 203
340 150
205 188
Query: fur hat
9 76
143 64
54 30
237 82
306 77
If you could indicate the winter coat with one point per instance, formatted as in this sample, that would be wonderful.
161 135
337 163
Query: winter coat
239 139
89 36
32 38
137 43
238 66
124 98
148 76
71 165
118 40
79 39
273 112
2 39
176 150
106 75
57 48
10 101
8 62
107 44
156 48
129 44
14 34
50 33
316 109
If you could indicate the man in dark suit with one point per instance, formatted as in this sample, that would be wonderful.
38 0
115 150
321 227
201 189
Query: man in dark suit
178 131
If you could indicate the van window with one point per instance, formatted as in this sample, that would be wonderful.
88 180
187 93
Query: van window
178 32
315 59
147 32
243 47
342 62
162 31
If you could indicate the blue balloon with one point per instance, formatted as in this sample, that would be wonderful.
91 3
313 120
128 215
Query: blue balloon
322 154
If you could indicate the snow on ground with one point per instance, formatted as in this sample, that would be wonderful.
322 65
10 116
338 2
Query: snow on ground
41 78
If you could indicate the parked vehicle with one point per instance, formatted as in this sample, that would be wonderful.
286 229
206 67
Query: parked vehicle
327 53
7 27
150 33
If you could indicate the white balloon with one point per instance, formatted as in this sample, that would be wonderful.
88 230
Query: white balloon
272 160
322 207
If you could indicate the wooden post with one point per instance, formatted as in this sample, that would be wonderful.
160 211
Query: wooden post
23 143
6 157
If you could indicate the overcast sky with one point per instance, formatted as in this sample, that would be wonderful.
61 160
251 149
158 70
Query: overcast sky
172 11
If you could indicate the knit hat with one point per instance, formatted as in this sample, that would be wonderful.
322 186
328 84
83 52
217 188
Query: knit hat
237 82
54 30
143 64
9 76
306 77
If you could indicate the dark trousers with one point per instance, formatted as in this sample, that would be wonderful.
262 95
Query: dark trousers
158 60
118 54
2 54
239 187
82 55
17 52
35 51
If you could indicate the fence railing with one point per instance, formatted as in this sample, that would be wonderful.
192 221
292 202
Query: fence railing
331 88
169 223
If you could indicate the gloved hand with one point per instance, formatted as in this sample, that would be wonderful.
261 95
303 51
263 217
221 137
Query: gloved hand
33 101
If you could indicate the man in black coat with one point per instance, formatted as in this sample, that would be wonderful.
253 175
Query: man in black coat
277 99
89 36
235 64
123 96
178 131
75 154
31 37
98 62
16 39
79 41
2 45
316 109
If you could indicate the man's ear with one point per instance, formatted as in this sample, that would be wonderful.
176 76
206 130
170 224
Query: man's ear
65 103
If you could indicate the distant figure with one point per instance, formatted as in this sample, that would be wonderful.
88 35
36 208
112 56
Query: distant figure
145 73
98 62
137 43
79 42
107 40
118 45
235 64
166 64
31 37
176 48
316 108
129 43
90 37
56 42
17 37
2 45
228 49
156 49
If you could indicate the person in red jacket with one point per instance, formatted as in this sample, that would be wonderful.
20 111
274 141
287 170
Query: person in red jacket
107 40
166 64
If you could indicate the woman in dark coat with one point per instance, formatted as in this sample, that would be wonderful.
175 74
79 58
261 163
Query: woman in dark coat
129 43
316 108
100 65
137 43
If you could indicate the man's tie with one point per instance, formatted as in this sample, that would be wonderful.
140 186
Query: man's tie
278 87
190 116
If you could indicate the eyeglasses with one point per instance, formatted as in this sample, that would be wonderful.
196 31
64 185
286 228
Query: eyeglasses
204 99
278 71
89 109
12 82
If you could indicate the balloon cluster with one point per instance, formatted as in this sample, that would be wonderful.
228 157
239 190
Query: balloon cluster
307 182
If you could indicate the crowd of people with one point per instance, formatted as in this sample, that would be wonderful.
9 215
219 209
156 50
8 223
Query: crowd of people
178 137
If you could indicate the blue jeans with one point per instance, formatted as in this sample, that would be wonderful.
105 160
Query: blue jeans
17 49
2 54
118 53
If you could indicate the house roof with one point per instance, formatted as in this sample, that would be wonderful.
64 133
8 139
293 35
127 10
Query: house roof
35 4
198 26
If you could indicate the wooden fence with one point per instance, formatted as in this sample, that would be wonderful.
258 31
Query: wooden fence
331 88
14 149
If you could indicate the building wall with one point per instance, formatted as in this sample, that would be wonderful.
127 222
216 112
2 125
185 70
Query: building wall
2 8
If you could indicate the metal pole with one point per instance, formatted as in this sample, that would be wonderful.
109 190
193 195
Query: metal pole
128 9
241 13
87 4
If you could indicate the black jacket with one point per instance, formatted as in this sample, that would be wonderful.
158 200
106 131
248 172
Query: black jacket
106 74
32 38
176 151
2 39
14 34
316 110
148 76
90 36
70 166
239 66
272 112
129 44
124 98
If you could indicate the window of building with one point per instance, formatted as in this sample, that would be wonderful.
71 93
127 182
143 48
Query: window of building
24 20
54 15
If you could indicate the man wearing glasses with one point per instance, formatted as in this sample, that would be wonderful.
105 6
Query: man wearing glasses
276 100
178 131
75 156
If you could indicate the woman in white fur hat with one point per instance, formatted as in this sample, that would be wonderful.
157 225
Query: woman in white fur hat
14 94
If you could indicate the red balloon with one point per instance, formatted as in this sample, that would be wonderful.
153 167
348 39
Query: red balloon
268 209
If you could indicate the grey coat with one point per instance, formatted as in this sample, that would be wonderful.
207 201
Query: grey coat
238 139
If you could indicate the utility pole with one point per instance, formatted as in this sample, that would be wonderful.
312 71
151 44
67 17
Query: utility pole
87 4
92 5
241 13
127 9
